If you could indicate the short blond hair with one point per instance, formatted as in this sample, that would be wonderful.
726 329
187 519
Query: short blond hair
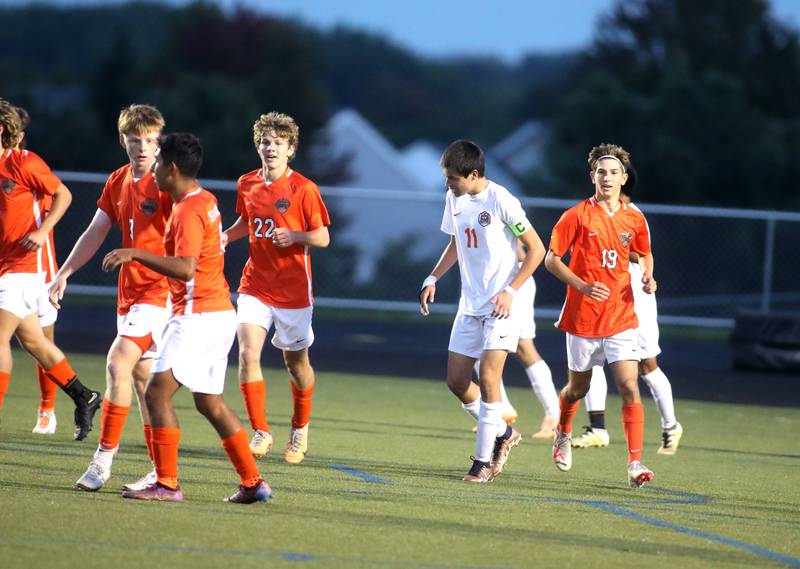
139 119
282 125
9 120
605 149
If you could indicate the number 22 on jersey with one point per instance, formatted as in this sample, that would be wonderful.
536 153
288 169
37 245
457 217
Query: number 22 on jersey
263 227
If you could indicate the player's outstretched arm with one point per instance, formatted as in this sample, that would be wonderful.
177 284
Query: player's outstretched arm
428 291
83 250
182 268
562 272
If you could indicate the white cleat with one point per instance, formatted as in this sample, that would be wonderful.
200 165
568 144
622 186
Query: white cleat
297 446
592 438
670 438
45 423
95 477
261 443
638 474
562 450
145 481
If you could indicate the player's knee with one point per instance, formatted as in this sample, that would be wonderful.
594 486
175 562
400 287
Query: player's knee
118 372
249 358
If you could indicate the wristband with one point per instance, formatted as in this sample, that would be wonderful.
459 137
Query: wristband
429 280
510 290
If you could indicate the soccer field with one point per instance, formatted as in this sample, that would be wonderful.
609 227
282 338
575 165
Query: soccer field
381 487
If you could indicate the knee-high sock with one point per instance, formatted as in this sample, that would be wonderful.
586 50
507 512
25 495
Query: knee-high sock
148 441
473 408
5 378
302 406
598 391
242 459
47 390
61 373
255 401
541 379
661 389
566 414
633 425
490 426
112 421
165 451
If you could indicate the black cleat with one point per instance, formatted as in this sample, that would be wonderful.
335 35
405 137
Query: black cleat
261 492
86 405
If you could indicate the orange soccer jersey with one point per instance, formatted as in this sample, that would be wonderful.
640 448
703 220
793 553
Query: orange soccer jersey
25 181
599 245
141 212
279 276
194 230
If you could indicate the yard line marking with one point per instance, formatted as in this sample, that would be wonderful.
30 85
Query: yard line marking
365 476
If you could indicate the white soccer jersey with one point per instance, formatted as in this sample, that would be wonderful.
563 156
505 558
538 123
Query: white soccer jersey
486 245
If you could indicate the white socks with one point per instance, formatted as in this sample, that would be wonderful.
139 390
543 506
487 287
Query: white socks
598 390
541 379
473 408
105 456
661 389
490 426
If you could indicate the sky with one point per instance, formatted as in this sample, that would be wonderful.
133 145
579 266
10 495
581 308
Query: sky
440 28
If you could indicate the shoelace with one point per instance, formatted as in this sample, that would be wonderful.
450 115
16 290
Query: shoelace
297 440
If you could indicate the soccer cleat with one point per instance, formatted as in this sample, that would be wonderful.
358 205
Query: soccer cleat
297 445
592 438
261 443
545 431
258 493
155 491
95 477
480 472
146 480
502 448
562 450
45 423
85 408
638 474
670 439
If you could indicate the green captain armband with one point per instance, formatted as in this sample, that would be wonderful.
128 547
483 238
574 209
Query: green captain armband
520 227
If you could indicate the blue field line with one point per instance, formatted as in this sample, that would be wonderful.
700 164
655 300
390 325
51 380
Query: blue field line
365 476
617 511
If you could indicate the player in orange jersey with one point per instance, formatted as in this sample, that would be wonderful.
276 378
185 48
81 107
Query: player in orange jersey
283 215
24 230
599 234
200 331
130 200
46 417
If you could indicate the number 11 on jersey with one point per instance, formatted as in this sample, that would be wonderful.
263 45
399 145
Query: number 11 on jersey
472 237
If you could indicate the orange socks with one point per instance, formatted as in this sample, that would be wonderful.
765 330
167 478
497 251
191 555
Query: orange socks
302 406
633 426
47 390
567 413
61 373
112 421
165 451
255 401
242 459
4 379
148 440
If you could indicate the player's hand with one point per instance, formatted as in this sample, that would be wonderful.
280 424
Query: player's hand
116 258
56 290
596 290
502 304
283 237
223 241
34 240
426 295
649 284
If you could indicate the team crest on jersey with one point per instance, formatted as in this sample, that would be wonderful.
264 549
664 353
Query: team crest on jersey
485 218
8 185
149 206
625 238
282 205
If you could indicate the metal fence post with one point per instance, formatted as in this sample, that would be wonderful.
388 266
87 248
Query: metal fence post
769 255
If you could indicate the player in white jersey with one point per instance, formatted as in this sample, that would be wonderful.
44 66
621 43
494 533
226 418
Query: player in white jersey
595 434
485 223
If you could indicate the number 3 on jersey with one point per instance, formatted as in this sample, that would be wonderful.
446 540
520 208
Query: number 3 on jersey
610 257
472 237
263 227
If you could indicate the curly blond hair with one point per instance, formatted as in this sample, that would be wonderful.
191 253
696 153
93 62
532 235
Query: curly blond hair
605 149
9 120
281 125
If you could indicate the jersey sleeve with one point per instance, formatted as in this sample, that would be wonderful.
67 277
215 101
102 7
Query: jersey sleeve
641 240
106 202
447 217
314 210
189 227
564 233
512 214
36 174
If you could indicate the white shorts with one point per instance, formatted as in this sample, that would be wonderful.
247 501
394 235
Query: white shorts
585 353
293 330
141 320
647 312
472 335
19 293
48 314
195 347
523 309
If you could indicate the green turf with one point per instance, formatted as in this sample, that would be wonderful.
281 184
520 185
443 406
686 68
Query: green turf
731 489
